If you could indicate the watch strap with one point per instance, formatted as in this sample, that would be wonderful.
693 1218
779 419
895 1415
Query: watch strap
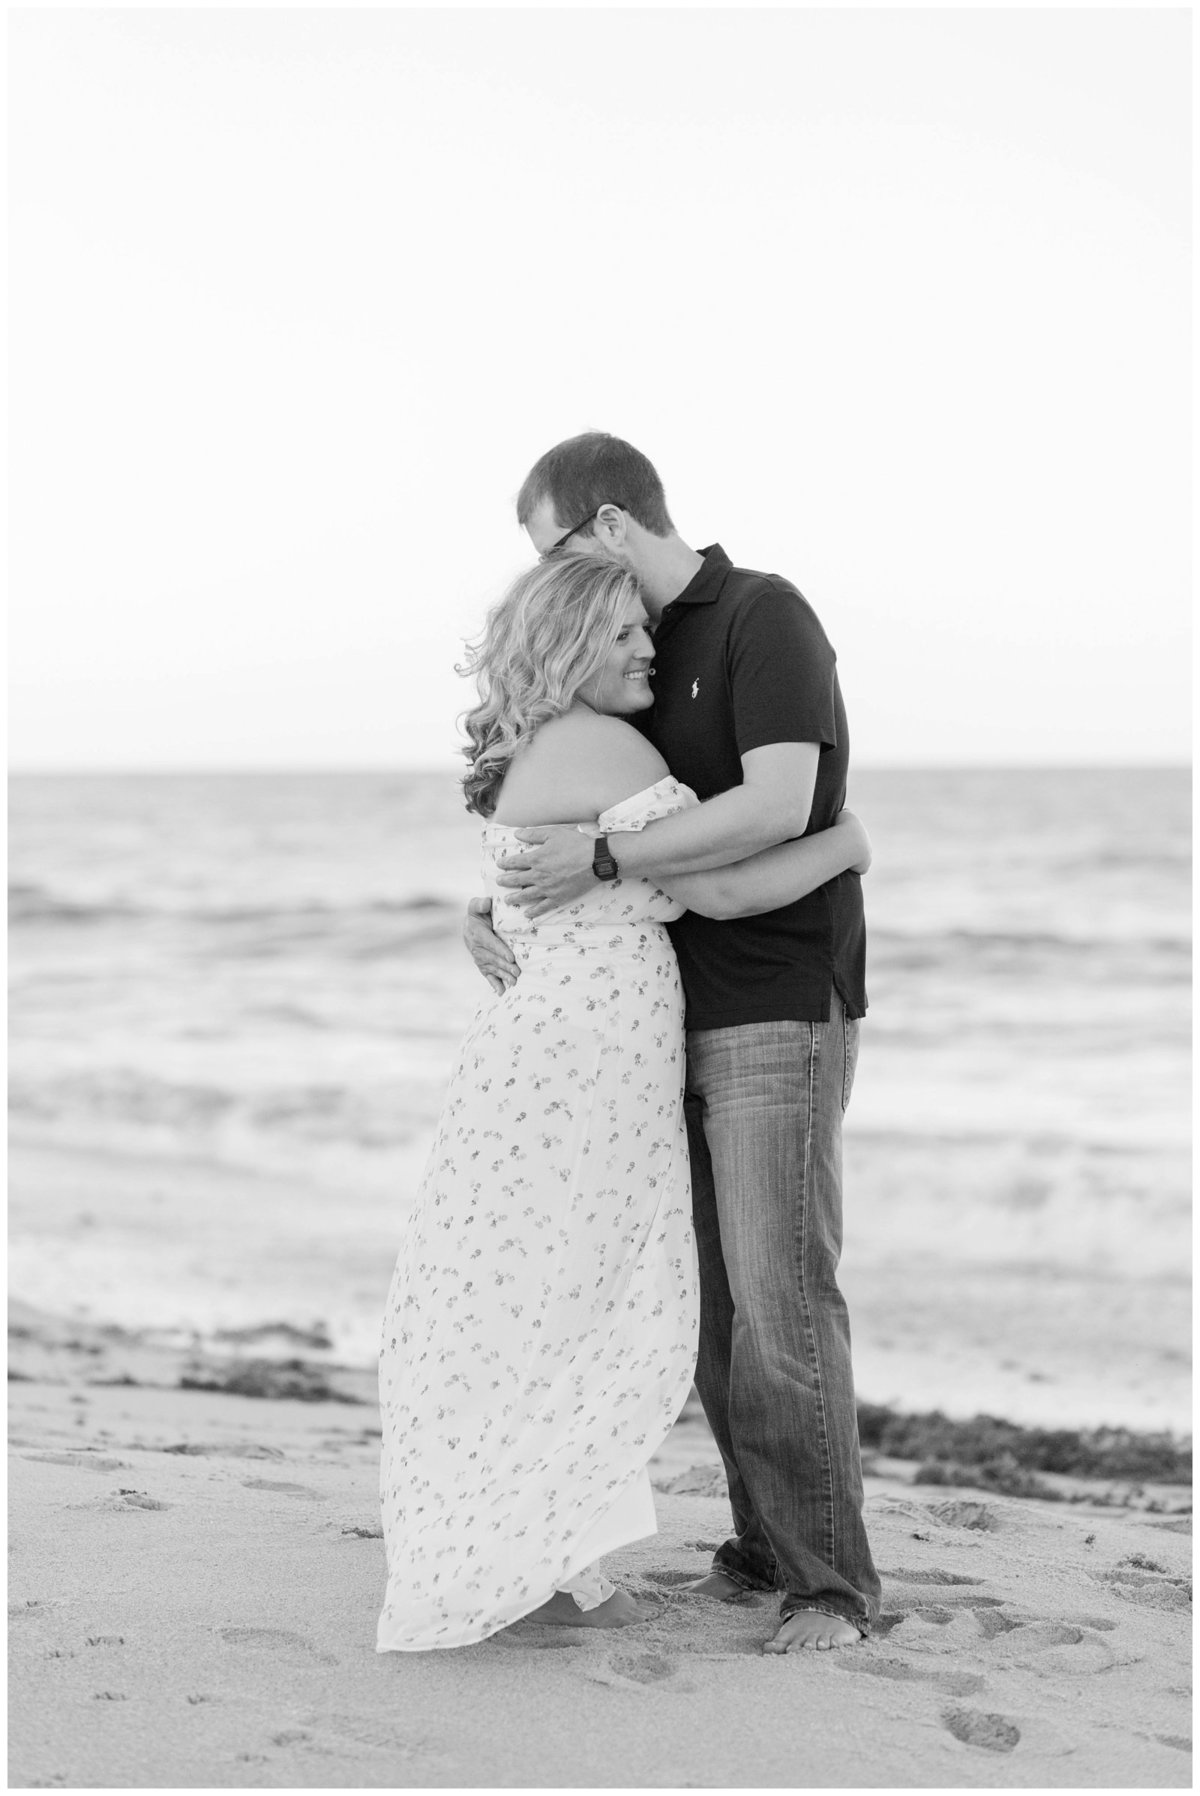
604 865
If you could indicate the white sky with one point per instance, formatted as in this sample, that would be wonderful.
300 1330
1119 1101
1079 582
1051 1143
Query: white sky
897 302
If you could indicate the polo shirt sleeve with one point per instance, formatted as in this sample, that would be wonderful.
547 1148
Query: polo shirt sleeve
782 673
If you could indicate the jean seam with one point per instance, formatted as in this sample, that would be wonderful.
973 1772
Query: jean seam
805 1220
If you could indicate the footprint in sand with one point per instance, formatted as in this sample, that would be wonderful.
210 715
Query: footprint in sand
954 1683
1007 1637
92 1462
236 1450
287 1490
371 1730
977 1517
908 1576
643 1670
1147 1589
994 1733
993 1622
275 1640
1055 1646
32 1607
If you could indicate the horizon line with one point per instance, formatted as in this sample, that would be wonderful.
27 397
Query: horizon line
297 769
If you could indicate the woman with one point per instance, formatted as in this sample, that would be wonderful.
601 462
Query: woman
539 1337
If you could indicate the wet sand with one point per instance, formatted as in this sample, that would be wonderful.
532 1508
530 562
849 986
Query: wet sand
958 1307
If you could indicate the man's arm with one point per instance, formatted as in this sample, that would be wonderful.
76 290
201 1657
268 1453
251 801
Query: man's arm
772 805
778 875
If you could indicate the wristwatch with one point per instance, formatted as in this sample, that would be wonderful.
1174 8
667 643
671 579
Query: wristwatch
603 864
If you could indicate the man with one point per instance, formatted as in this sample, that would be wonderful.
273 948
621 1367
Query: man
748 712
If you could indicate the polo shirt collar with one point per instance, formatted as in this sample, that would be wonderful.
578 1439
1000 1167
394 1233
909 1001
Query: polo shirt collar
704 587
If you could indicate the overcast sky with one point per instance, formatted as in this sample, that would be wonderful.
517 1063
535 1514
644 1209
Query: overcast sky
897 302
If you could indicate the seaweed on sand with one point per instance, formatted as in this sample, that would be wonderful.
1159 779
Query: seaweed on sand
1006 1448
290 1378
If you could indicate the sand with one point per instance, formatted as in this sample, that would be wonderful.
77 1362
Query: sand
195 1579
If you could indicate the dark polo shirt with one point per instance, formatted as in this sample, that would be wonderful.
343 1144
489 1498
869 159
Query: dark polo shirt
741 662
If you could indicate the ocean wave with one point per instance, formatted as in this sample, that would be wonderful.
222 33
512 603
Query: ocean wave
1156 959
1046 941
364 1116
30 903
34 904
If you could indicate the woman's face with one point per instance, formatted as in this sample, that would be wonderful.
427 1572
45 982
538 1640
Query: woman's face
623 682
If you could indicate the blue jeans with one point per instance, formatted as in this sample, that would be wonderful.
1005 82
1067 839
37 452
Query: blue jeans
764 1110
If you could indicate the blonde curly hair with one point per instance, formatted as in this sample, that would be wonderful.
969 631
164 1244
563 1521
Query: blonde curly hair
553 629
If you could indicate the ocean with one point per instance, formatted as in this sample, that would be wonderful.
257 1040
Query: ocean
235 1000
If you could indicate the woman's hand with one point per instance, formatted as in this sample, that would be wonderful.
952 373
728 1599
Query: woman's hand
847 820
493 957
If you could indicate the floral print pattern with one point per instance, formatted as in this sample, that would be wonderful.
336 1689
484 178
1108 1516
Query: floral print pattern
540 1331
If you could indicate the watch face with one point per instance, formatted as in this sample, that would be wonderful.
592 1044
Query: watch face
603 864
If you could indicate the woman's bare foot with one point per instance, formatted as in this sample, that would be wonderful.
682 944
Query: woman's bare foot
717 1585
813 1629
620 1610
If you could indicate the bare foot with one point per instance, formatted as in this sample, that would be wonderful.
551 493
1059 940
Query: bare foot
716 1584
620 1610
811 1628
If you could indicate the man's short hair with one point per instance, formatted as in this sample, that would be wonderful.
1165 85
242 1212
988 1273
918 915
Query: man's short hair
592 470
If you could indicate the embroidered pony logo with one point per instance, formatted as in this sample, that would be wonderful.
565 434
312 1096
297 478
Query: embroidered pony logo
695 689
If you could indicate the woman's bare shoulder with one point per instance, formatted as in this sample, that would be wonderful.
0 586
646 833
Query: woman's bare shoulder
577 766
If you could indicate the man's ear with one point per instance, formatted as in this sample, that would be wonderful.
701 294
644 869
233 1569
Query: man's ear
613 525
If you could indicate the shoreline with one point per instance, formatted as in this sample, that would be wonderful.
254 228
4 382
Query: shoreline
1116 1467
199 1252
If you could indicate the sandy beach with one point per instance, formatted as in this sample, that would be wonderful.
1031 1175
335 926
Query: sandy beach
195 1578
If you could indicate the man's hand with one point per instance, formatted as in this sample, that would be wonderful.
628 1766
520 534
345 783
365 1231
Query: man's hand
554 868
493 957
847 820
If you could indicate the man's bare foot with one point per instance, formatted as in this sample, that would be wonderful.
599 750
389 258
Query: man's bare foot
716 1584
812 1629
620 1610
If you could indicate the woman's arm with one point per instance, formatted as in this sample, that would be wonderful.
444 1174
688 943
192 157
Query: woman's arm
777 876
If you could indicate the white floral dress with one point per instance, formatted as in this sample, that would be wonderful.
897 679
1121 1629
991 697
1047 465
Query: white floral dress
540 1332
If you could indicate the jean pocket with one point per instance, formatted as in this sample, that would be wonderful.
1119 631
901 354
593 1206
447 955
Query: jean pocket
850 1035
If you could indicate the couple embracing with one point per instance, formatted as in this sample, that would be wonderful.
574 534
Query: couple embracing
636 1179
